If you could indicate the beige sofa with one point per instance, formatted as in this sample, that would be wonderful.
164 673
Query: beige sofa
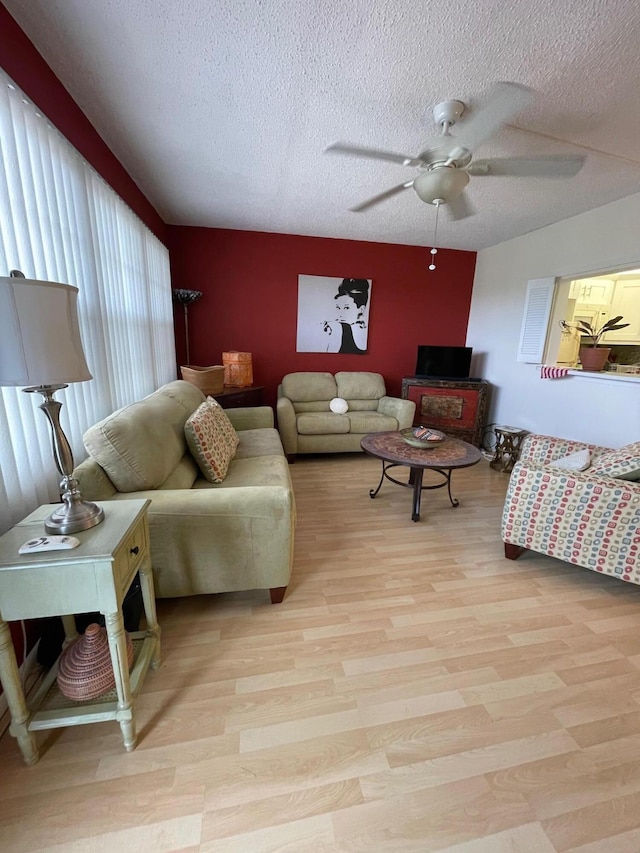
307 424
205 537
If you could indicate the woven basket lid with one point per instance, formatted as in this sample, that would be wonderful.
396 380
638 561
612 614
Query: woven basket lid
85 669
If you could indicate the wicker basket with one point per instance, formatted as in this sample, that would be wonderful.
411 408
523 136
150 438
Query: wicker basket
85 670
238 368
210 380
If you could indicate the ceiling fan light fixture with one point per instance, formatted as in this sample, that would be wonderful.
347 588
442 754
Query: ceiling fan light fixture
442 183
445 165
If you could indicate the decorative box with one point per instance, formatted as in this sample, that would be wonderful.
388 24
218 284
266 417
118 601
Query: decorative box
238 368
210 380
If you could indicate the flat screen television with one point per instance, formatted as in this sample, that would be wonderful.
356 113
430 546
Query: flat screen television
436 362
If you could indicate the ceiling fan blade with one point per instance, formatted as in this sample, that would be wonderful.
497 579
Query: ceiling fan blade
529 167
381 197
504 102
460 207
373 154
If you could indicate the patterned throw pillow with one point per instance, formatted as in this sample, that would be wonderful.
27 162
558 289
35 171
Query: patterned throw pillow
209 440
623 463
225 424
578 461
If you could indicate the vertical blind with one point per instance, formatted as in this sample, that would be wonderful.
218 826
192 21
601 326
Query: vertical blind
59 221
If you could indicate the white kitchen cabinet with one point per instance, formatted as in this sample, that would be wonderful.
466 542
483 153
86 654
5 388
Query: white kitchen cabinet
625 301
594 291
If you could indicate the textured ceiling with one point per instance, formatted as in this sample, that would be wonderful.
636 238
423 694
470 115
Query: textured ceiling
221 109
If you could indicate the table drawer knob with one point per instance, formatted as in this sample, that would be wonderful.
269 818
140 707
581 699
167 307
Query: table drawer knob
135 550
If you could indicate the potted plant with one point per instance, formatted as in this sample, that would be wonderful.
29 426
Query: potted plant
593 356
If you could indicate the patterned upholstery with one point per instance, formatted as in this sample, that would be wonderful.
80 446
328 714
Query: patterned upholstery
623 463
211 440
586 518
223 423
545 448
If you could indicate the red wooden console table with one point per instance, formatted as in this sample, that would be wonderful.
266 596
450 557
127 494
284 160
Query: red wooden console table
455 406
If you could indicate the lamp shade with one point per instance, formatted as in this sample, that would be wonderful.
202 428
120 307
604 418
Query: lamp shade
442 183
40 341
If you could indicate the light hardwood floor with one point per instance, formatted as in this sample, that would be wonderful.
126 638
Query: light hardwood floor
415 691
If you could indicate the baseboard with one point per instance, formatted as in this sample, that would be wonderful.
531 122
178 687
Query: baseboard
30 674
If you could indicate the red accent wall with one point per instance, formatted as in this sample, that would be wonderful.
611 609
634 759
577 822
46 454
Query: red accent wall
249 282
22 62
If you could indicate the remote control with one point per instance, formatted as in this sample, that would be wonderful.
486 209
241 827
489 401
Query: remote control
48 543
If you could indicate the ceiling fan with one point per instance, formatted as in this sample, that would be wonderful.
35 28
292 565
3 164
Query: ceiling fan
445 166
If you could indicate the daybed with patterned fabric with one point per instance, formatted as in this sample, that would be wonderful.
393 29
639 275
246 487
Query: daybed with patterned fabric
320 413
589 517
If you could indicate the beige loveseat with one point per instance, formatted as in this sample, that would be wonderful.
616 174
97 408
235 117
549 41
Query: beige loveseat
205 537
307 424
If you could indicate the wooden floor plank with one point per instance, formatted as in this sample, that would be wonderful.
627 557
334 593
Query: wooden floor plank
415 691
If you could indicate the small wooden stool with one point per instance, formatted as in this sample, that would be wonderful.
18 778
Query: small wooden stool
508 441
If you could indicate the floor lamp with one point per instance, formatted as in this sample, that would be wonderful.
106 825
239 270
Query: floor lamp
186 298
40 347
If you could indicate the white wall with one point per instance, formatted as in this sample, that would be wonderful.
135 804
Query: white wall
587 408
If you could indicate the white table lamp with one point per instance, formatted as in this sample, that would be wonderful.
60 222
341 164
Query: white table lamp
40 346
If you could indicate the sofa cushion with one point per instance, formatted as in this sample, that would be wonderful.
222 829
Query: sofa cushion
363 405
258 442
623 463
209 441
308 386
183 475
140 445
260 473
364 422
322 423
311 406
359 385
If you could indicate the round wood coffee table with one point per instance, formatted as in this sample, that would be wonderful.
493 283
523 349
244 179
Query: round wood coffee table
443 458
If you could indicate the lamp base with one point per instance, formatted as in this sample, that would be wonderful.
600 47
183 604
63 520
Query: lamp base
73 516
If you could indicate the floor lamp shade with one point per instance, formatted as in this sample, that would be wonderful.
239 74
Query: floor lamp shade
41 347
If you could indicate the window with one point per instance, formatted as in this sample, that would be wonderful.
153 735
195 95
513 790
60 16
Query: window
596 299
62 222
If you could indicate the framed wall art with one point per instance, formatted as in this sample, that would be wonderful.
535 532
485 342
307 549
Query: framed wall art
333 314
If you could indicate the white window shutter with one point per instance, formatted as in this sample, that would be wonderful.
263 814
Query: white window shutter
535 322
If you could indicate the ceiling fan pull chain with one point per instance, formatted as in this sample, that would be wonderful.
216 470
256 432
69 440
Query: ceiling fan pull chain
434 251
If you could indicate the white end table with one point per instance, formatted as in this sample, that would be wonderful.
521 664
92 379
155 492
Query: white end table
95 576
